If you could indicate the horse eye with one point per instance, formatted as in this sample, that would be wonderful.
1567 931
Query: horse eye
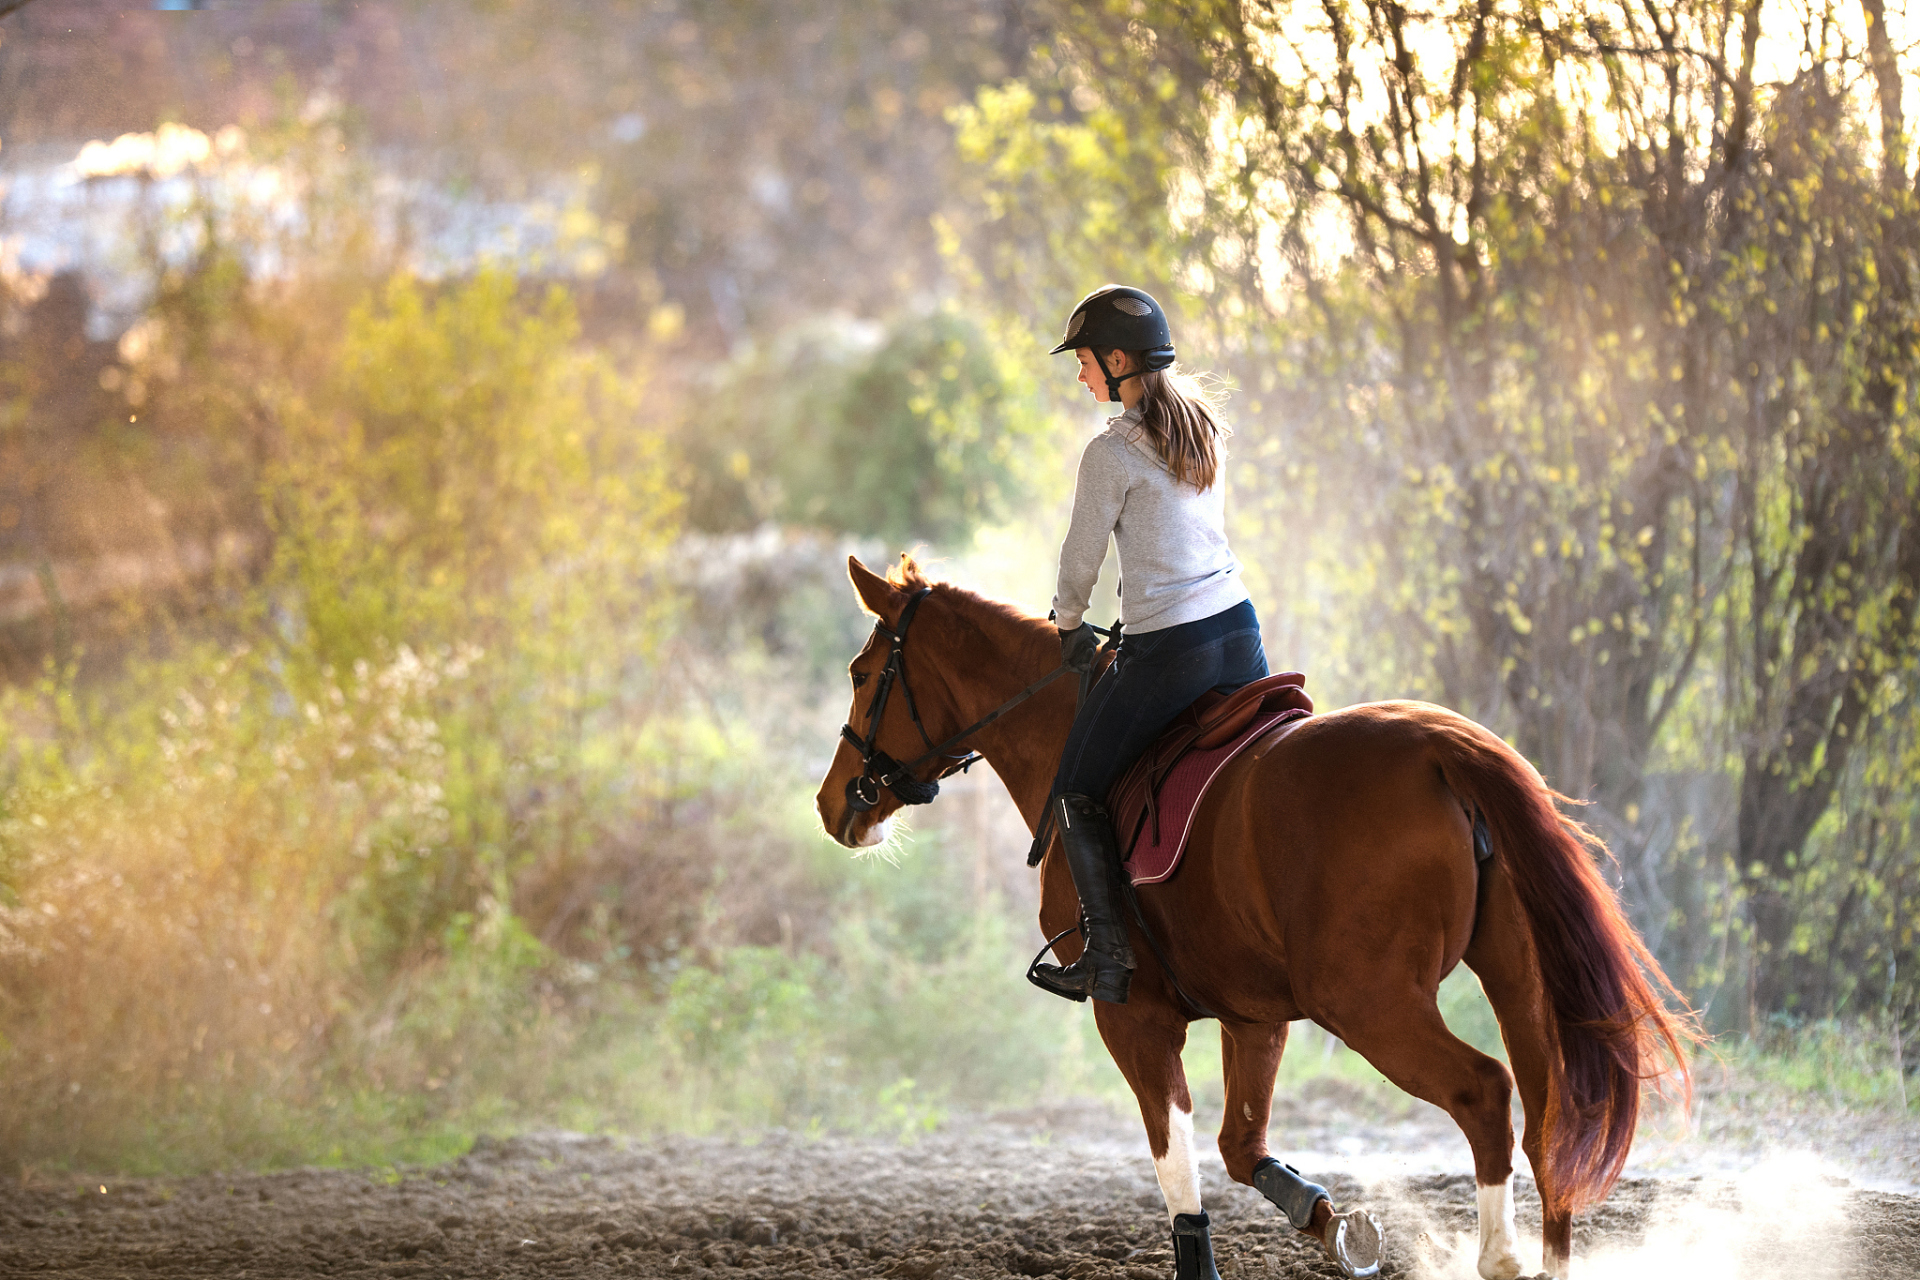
859 678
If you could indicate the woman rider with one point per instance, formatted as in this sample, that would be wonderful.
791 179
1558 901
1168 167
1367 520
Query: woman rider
1151 480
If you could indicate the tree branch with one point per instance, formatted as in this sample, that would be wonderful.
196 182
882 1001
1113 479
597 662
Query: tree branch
1886 78
1736 144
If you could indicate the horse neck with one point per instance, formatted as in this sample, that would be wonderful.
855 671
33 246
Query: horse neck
993 658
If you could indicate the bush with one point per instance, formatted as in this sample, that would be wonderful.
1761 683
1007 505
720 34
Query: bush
914 431
236 877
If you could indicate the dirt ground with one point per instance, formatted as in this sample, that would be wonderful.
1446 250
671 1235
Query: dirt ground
1067 1192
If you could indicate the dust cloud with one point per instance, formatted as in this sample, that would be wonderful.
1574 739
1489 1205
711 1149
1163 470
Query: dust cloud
1790 1217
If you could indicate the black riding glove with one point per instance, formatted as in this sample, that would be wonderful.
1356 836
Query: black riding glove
1077 648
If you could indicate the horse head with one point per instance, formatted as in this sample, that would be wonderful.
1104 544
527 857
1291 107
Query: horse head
860 823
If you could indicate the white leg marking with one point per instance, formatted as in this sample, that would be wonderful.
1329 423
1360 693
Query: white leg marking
1178 1171
1498 1261
1558 1266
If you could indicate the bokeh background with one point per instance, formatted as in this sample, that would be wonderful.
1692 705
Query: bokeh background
431 435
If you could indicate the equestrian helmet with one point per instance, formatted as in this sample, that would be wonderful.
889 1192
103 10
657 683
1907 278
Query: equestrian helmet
1118 316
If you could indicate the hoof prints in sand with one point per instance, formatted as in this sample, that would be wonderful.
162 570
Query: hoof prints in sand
983 1200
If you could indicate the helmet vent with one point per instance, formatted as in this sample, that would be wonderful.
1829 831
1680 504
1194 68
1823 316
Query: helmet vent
1074 325
1133 306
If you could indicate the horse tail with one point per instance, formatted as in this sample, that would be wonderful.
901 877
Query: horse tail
1602 987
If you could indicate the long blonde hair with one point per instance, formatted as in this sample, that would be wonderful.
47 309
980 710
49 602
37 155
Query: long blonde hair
1181 416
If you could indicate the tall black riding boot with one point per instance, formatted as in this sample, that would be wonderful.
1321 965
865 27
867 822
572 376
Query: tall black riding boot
1105 967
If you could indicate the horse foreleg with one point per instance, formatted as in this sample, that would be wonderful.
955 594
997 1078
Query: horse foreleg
1145 1045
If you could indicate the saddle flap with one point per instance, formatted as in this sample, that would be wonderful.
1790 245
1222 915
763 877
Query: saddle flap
1222 719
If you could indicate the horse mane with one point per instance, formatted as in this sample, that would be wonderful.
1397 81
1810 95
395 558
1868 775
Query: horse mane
908 575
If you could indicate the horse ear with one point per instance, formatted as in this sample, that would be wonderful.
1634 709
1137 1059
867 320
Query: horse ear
882 598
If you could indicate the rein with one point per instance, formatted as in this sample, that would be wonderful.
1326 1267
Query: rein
877 768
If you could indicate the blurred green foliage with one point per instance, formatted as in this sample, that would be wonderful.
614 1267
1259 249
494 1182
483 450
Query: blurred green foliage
913 431
461 443
239 873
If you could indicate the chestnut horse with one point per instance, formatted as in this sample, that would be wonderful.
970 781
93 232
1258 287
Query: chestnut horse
1331 875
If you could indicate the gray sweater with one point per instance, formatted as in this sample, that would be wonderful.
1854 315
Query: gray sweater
1175 566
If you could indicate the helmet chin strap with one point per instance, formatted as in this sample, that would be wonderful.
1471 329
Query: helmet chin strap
1113 383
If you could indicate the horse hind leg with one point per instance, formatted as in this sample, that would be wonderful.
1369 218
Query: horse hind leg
1251 1054
1408 1042
1500 958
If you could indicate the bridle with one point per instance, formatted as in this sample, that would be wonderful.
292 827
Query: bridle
877 768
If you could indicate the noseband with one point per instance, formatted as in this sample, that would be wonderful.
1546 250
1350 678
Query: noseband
877 768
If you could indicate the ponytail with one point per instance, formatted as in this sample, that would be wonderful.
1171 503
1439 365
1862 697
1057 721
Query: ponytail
1182 418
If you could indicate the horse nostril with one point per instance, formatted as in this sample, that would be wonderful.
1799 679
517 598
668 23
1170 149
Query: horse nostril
863 793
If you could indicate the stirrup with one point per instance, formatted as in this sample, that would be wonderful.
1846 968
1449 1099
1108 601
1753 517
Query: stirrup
1084 977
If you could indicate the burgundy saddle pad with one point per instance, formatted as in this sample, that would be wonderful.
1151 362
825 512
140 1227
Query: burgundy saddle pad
1154 803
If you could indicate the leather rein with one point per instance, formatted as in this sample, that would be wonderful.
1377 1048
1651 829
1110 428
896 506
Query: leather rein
877 768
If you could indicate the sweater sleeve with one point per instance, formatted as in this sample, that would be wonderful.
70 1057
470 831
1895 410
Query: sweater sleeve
1099 495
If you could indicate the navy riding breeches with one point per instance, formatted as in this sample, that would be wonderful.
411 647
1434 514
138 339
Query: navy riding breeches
1155 677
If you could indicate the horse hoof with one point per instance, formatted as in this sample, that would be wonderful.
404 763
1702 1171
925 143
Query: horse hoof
1353 1242
1503 1267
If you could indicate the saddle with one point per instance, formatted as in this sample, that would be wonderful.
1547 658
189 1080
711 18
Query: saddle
1154 802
